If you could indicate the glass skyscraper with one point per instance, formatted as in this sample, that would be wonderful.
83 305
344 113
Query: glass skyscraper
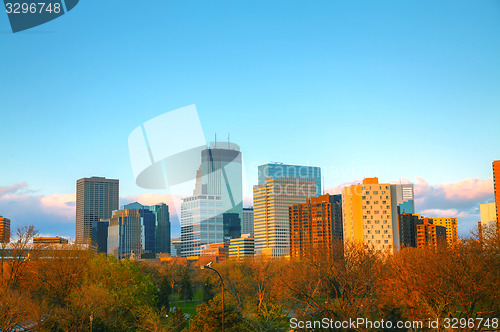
201 223
290 171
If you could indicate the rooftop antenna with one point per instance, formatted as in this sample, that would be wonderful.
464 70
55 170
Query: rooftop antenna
215 140
228 139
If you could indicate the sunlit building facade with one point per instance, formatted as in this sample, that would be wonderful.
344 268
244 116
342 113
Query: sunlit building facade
315 225
271 202
496 185
4 230
429 235
370 215
201 223
451 228
243 247
488 213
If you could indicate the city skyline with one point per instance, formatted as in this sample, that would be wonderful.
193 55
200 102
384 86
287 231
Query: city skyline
351 79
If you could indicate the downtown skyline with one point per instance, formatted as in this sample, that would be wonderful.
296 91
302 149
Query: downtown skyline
395 88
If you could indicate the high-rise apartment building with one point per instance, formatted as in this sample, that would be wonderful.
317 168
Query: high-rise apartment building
429 234
4 230
404 197
201 223
315 225
496 185
370 215
271 202
488 213
96 199
451 228
280 170
247 222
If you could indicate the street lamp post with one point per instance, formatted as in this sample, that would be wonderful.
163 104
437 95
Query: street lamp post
222 283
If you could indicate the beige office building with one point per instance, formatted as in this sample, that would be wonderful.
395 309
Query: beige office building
96 199
271 201
369 215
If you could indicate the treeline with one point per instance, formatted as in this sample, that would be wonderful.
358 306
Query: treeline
79 291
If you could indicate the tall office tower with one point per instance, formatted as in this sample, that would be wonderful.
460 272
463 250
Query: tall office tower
496 185
404 197
315 225
407 229
488 213
271 201
201 223
220 174
451 228
370 216
429 234
148 226
4 230
96 199
125 234
162 227
247 223
291 171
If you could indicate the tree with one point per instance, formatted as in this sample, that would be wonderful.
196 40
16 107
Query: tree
209 317
186 287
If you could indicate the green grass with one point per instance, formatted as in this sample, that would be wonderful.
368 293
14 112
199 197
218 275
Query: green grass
188 307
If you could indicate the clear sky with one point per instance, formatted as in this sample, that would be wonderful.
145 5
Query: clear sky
405 89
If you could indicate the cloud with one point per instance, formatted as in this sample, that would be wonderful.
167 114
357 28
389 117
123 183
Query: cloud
338 189
54 214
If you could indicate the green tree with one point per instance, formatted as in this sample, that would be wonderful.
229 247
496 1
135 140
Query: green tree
186 285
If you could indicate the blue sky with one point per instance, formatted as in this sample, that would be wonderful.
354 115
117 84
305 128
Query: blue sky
404 89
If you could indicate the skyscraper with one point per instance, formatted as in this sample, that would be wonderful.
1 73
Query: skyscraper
271 201
315 225
404 197
217 196
247 223
496 185
96 199
370 215
201 223
162 227
125 233
221 174
4 230
291 171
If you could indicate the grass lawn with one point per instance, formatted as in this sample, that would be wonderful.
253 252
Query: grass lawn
188 307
